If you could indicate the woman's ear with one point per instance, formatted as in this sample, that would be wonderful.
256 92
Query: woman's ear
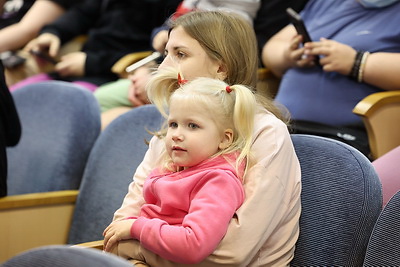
222 72
227 139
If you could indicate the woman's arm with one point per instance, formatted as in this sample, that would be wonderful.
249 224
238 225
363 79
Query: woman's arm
17 35
282 52
134 198
382 70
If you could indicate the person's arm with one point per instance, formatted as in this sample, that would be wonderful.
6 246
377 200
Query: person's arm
213 201
282 52
134 198
17 35
382 70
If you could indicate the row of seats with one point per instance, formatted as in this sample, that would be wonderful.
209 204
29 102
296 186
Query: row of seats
382 250
341 195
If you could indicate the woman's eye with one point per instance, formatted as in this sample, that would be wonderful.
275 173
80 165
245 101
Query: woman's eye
193 126
180 55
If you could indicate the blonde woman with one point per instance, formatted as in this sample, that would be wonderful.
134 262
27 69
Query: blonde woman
264 230
207 150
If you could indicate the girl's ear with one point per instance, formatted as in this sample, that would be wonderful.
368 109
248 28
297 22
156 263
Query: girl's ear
227 139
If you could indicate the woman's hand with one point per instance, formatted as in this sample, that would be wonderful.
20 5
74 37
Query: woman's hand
160 40
335 56
45 42
72 64
296 56
115 232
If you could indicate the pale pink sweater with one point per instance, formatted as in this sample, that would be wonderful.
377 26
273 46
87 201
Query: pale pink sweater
187 213
265 228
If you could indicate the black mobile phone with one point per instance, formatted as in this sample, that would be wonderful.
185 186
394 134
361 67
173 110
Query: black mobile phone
43 56
301 29
13 60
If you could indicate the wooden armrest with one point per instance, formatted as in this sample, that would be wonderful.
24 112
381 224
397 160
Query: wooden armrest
380 113
38 199
120 66
93 244
33 220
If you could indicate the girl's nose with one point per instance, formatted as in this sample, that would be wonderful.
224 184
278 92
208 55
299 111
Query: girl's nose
177 136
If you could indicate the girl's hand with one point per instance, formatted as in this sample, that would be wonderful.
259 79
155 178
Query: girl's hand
335 56
117 231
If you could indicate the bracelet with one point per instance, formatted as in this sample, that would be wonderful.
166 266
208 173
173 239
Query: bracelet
361 69
355 70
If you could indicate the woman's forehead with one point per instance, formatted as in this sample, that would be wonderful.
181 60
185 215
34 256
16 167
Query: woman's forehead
179 38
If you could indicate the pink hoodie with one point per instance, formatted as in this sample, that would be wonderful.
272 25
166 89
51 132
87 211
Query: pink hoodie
187 213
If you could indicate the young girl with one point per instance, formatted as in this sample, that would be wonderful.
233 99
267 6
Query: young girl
193 195
264 230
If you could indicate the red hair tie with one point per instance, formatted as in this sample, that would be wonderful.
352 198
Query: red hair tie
180 80
228 89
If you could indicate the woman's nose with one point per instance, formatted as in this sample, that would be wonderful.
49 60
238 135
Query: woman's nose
167 62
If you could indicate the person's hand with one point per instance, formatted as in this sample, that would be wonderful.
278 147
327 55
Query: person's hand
117 231
336 56
137 90
160 40
45 42
295 55
72 64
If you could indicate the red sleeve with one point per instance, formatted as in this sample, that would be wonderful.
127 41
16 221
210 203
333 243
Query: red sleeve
213 203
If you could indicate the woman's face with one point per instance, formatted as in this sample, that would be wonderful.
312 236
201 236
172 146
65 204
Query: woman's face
187 55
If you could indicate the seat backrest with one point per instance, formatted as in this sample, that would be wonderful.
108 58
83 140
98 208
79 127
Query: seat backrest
388 169
384 244
60 123
341 200
65 256
112 163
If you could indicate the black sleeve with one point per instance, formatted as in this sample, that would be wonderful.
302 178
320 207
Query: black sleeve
10 129
8 114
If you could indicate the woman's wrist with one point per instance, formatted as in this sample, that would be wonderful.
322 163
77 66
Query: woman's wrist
357 71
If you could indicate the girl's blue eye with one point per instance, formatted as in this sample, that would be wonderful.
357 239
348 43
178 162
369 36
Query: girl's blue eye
193 126
173 125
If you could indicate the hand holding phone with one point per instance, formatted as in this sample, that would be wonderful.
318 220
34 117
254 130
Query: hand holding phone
301 29
43 56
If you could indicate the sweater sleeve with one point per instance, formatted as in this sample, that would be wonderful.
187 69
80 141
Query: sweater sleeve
134 198
76 21
213 203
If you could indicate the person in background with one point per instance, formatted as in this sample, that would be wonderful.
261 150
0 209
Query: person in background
17 33
10 129
113 28
267 18
359 55
207 151
268 220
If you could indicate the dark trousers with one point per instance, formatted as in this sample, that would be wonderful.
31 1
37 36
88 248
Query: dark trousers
354 135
